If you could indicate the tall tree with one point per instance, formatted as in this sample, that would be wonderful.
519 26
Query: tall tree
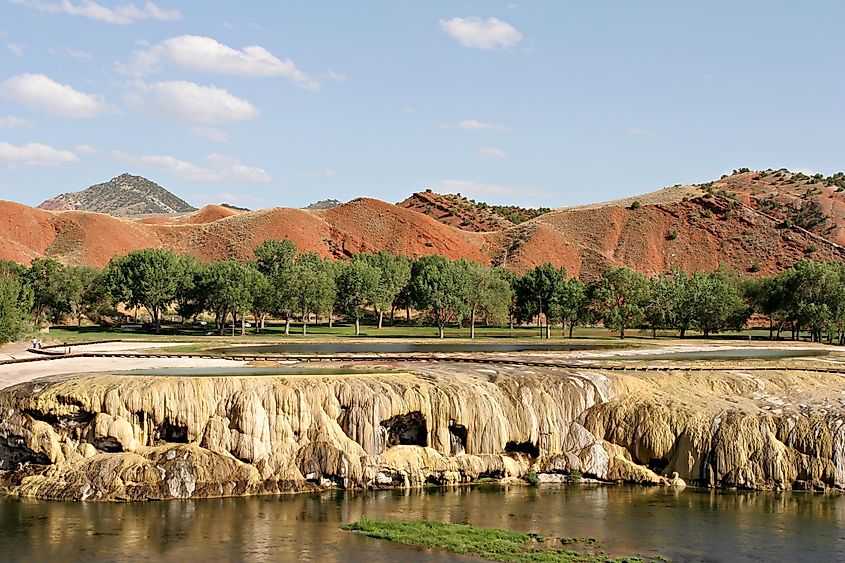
47 278
148 277
394 275
312 286
572 303
439 287
228 286
488 293
621 295
536 292
15 303
356 281
717 302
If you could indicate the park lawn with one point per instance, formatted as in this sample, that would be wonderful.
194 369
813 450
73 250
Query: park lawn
488 543
275 332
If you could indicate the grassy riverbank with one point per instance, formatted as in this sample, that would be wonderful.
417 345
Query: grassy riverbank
488 543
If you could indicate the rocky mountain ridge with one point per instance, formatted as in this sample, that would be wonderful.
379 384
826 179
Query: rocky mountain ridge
122 196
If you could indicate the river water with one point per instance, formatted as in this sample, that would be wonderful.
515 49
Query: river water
688 525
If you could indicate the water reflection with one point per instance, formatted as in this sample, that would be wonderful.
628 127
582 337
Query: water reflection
696 525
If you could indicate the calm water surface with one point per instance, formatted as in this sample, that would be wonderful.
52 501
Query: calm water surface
690 525
405 347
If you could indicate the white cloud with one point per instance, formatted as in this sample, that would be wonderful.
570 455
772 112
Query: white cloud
120 15
73 53
337 76
512 7
33 154
86 149
328 173
191 103
211 134
204 54
475 188
11 122
640 132
476 125
16 49
477 33
217 168
493 152
37 91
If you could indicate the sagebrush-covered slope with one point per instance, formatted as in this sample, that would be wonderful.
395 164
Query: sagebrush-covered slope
123 196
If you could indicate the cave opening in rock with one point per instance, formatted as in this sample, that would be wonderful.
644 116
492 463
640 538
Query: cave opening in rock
172 433
526 448
406 430
14 452
457 438
108 444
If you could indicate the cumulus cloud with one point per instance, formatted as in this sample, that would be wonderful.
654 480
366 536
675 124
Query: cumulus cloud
476 125
73 53
190 102
86 149
12 122
216 168
40 92
119 15
493 152
211 134
33 154
328 173
337 76
204 54
16 49
477 33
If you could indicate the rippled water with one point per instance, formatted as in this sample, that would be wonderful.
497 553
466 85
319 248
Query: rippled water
690 525
724 354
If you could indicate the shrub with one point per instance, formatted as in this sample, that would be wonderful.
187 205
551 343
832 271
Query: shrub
755 267
532 479
671 234
636 204
575 475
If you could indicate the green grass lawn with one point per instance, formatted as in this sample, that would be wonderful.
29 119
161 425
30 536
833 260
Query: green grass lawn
488 543
275 332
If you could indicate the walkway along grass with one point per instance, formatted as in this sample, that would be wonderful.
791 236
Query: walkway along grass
488 543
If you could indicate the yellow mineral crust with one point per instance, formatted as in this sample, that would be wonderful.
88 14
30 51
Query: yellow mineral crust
115 437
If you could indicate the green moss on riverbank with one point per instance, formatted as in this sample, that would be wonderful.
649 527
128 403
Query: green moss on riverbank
488 543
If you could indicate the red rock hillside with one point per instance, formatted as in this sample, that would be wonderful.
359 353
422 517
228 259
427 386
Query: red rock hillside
751 221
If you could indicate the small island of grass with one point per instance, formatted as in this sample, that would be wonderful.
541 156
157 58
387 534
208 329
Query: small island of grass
488 543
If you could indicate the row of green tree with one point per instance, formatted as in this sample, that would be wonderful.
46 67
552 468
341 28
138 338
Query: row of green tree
285 284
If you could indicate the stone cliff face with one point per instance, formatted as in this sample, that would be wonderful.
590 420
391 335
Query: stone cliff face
96 437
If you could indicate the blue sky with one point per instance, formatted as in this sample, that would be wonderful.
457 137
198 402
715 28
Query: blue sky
538 103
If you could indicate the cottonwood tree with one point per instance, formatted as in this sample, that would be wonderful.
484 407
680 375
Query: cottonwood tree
717 303
571 303
312 286
277 261
47 278
536 292
621 295
439 287
488 294
356 282
394 275
228 288
148 277
15 303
